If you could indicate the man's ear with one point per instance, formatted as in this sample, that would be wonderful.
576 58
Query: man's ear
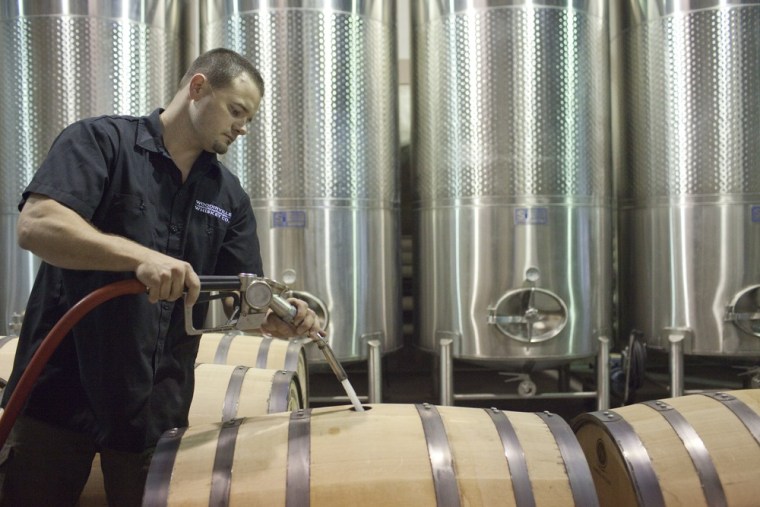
198 86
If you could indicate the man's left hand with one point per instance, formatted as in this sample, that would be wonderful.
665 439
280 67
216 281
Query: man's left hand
304 323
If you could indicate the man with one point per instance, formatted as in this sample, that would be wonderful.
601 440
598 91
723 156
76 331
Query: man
120 197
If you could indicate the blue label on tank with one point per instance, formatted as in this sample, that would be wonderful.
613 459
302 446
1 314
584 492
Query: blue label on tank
755 214
531 216
288 219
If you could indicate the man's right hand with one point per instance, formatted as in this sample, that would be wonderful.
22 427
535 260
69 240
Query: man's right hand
166 279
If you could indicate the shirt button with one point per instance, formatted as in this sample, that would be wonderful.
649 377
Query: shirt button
173 228
165 306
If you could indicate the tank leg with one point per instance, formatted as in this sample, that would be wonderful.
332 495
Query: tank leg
603 374
676 363
446 371
563 378
375 371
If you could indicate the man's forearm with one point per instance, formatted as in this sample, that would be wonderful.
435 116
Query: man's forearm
61 237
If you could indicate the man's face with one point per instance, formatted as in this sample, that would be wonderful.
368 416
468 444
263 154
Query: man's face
224 113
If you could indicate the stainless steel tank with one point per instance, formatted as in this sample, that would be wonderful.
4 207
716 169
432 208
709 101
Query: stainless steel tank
320 160
688 169
65 60
511 148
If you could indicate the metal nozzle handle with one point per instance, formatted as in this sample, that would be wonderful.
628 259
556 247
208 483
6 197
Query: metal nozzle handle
287 312
283 308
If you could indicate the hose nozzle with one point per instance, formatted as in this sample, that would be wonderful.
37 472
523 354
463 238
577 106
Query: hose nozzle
287 312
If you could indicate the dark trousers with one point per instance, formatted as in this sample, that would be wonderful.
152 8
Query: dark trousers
42 464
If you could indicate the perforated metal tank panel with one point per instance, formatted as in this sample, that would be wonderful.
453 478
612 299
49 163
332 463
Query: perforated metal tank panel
688 159
64 61
512 153
320 158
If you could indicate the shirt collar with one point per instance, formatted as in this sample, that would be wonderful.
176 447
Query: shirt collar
150 137
150 133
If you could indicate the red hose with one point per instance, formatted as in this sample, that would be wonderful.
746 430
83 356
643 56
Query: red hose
51 342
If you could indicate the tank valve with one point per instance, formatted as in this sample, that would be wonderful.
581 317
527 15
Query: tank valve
14 326
744 310
526 388
529 315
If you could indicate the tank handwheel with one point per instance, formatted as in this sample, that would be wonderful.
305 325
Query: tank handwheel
527 388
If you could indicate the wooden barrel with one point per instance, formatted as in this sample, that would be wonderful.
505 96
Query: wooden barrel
224 392
239 348
8 346
391 454
695 450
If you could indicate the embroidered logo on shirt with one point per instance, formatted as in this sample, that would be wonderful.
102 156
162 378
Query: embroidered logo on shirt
214 211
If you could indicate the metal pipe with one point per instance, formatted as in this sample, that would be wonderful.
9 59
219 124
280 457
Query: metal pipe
603 374
446 371
552 396
214 282
375 371
676 364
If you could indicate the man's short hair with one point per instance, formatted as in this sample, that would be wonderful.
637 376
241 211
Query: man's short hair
221 66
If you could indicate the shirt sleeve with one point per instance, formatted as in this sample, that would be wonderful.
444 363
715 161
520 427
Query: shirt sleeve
240 252
75 170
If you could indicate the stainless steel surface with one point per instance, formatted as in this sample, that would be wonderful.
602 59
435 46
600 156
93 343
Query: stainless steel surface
190 21
687 167
431 10
18 267
378 10
631 13
320 158
603 374
513 179
158 14
67 60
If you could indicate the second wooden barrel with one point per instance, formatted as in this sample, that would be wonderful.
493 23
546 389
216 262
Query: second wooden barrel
695 450
239 348
8 345
390 454
224 392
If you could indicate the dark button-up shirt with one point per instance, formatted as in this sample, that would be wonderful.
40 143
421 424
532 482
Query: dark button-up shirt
125 372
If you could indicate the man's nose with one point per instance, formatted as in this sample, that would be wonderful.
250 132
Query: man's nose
240 129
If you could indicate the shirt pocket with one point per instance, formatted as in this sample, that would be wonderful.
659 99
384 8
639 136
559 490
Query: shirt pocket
205 240
133 217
